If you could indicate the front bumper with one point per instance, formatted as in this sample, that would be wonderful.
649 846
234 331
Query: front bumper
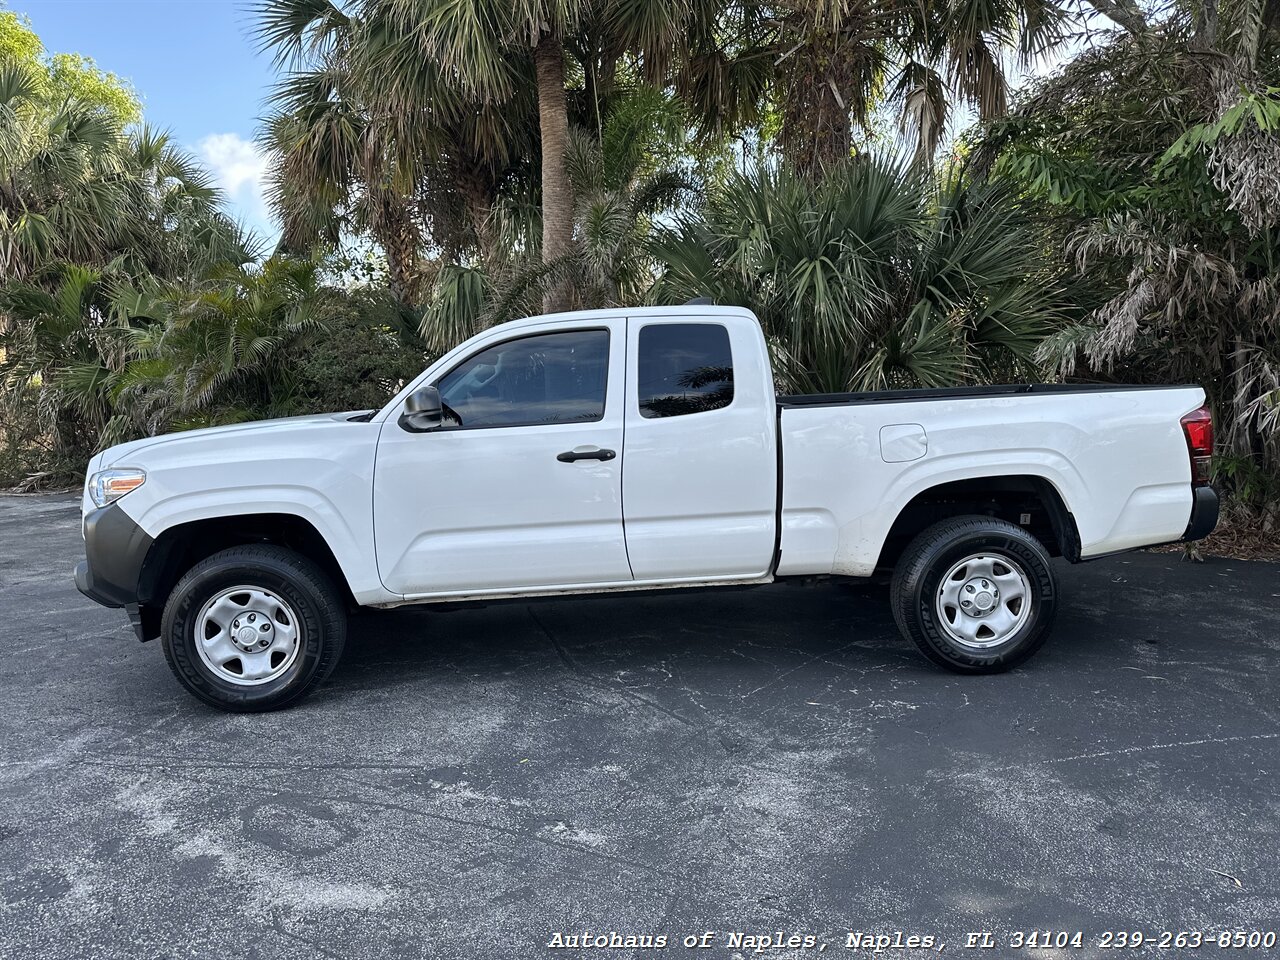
115 548
1204 513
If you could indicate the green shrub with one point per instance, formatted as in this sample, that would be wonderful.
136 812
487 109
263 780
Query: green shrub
360 362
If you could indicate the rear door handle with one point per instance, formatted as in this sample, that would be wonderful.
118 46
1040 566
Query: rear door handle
572 456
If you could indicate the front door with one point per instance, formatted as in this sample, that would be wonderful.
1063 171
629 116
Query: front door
521 489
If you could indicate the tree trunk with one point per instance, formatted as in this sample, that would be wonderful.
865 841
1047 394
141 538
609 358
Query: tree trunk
477 196
557 191
1126 13
397 234
822 89
817 132
1205 37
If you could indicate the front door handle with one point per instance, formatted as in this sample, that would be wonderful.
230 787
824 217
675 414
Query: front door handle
572 456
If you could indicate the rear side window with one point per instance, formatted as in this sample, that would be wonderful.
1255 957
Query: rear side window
684 368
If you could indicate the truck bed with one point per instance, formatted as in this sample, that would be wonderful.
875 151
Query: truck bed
1114 455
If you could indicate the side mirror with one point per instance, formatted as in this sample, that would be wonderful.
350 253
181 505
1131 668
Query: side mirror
423 411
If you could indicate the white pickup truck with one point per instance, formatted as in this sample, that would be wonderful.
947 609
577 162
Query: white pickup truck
621 450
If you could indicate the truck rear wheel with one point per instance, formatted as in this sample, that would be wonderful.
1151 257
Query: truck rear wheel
975 594
253 628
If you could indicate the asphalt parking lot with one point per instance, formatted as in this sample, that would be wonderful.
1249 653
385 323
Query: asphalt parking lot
473 780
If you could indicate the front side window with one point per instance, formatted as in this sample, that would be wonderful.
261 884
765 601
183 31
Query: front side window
547 378
684 368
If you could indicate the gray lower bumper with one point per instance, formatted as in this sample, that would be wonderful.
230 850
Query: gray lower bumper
115 548
1204 514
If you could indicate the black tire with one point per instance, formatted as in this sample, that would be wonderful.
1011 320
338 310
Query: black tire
319 608
917 580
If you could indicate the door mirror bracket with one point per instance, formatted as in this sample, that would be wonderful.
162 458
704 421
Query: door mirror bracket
423 411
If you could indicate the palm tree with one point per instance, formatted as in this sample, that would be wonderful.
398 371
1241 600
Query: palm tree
178 227
62 353
874 277
97 356
369 134
330 163
64 187
220 351
625 177
415 100
833 63
75 187
330 172
482 44
1155 154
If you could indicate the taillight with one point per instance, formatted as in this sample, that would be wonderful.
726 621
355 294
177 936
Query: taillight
1197 426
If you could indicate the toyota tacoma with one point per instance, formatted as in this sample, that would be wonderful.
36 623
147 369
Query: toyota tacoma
629 449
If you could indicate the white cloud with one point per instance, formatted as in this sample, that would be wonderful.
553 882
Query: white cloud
240 167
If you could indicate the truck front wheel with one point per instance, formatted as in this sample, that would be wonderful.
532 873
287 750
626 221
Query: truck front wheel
253 628
975 594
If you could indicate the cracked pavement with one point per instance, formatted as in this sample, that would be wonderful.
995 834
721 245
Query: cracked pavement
473 779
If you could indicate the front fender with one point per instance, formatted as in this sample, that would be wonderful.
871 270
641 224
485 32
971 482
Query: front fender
320 471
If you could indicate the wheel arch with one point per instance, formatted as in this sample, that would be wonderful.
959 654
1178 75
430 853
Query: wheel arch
1030 501
177 549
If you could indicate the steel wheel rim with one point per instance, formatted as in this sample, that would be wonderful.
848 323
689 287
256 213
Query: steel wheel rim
983 600
247 635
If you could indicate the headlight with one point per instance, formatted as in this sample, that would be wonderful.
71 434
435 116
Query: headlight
108 486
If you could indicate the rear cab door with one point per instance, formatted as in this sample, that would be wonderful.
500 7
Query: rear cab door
700 481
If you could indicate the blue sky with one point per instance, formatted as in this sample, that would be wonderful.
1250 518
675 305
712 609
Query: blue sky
195 65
